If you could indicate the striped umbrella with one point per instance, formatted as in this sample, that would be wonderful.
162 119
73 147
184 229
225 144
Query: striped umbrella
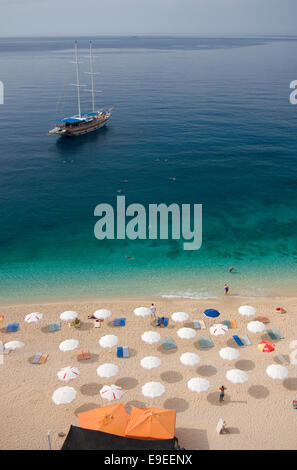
266 346
68 373
111 392
33 317
218 329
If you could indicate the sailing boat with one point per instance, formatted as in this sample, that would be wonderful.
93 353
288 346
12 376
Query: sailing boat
82 123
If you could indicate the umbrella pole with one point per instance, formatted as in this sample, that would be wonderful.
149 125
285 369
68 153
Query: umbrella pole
49 440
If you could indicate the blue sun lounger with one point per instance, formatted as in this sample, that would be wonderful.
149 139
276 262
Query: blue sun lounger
238 340
12 327
196 325
246 340
277 333
55 326
168 343
166 321
272 335
119 322
123 351
205 342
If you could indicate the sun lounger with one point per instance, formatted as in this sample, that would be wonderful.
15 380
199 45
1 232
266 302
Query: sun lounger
263 318
233 323
55 326
12 327
119 322
238 340
272 335
205 342
168 343
83 354
196 325
282 359
246 340
120 352
166 321
36 358
126 352
202 324
277 333
43 358
227 323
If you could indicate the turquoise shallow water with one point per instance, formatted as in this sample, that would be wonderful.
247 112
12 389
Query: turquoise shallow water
212 112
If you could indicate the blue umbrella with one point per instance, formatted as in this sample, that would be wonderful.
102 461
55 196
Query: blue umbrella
210 312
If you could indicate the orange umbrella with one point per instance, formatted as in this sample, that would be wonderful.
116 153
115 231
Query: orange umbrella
112 419
151 423
266 346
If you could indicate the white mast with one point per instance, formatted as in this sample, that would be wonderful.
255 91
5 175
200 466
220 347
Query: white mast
77 79
92 77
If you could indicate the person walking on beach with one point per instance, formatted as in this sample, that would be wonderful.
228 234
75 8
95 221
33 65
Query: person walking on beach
222 394
153 310
226 288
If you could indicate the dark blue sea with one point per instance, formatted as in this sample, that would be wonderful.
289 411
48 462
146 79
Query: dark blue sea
195 120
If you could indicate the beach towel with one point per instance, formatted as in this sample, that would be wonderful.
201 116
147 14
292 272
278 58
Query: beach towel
55 326
246 340
168 343
277 333
43 358
205 342
263 318
238 340
196 325
12 327
227 323
282 359
119 322
202 324
36 358
233 323
120 352
272 335
83 354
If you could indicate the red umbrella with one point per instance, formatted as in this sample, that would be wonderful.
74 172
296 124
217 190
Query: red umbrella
266 346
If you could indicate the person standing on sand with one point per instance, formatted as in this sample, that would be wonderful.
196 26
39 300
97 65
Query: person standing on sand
226 288
153 310
222 394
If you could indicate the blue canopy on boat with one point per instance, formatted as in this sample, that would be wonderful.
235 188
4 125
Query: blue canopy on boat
210 312
89 114
69 120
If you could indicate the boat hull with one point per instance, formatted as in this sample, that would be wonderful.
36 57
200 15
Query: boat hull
85 129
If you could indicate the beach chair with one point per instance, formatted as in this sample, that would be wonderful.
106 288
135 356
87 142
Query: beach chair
233 323
126 352
205 342
277 333
168 343
282 359
119 322
263 318
120 352
12 327
202 324
238 340
55 326
272 335
196 325
36 358
166 321
83 354
246 340
227 323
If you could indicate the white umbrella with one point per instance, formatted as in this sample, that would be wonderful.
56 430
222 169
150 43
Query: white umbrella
189 359
13 345
218 329
151 337
68 345
107 370
102 313
237 376
247 311
111 392
33 317
142 311
256 327
230 354
68 373
150 362
64 395
277 372
196 384
180 317
153 389
186 333
68 316
108 341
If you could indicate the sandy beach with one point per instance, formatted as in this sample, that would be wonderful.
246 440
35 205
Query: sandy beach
258 413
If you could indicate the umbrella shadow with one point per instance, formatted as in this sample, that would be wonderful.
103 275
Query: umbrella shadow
258 391
232 344
206 371
127 383
136 404
84 326
245 364
232 430
286 357
86 407
175 403
166 351
290 383
93 358
91 389
192 438
171 376
45 329
213 398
